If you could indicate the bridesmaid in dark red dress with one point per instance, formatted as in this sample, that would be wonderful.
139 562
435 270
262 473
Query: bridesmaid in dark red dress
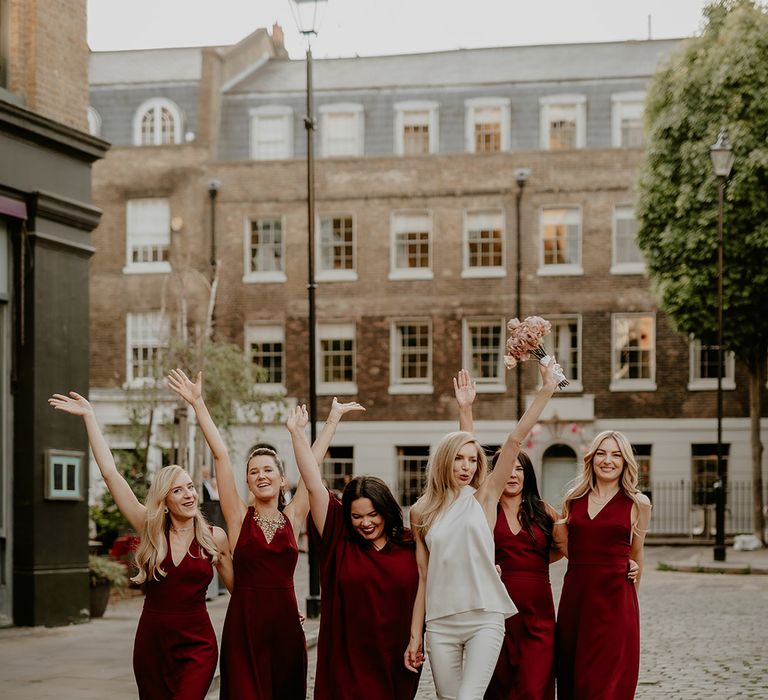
263 649
604 523
175 651
523 539
368 581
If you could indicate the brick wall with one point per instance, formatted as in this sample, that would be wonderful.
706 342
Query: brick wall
48 58
370 189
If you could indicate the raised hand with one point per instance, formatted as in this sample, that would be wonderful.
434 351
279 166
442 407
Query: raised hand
464 388
188 390
297 419
339 409
74 404
548 379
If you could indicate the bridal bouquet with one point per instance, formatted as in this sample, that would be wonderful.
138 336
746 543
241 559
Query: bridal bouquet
524 342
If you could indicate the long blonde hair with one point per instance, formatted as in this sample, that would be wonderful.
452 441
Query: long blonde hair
587 481
153 546
441 485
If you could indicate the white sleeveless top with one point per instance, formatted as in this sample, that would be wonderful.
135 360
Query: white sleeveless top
461 575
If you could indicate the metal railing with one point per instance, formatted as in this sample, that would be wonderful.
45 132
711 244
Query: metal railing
682 508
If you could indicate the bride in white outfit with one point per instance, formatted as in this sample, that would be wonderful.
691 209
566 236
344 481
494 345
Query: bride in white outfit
460 595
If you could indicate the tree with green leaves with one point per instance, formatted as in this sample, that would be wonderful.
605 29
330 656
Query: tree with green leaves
716 80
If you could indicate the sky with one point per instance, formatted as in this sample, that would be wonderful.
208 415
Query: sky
379 27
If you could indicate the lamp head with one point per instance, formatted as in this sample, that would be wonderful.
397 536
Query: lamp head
522 175
307 15
213 187
722 156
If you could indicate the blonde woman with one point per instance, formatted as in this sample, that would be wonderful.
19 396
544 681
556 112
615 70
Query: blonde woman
263 650
460 595
175 651
605 519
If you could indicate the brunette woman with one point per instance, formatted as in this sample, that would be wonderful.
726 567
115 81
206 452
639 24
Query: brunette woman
605 519
460 593
368 578
523 541
263 649
175 652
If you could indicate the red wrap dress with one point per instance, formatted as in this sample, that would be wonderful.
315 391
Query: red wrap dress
598 621
365 621
175 651
263 649
526 666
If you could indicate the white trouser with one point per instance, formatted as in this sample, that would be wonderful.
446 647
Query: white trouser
463 650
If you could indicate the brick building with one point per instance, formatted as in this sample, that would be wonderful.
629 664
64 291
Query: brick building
419 158
46 216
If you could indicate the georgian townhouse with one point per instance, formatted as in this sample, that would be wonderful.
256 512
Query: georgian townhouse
445 183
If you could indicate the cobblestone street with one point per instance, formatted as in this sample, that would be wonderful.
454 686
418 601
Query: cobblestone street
702 635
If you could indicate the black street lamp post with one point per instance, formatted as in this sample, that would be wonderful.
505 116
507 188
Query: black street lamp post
521 177
722 162
307 21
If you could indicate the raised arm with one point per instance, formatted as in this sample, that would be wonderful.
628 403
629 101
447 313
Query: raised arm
308 466
491 489
232 506
298 508
465 392
125 499
414 653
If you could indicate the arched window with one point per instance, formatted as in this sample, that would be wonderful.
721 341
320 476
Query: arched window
94 122
157 123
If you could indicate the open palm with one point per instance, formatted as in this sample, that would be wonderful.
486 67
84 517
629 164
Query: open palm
464 388
74 404
339 409
188 390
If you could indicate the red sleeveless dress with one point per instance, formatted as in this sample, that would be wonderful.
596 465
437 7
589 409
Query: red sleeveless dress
175 651
598 621
526 666
365 621
263 650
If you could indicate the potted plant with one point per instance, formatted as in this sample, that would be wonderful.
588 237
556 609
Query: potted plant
104 573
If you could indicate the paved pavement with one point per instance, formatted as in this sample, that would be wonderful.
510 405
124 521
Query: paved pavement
703 636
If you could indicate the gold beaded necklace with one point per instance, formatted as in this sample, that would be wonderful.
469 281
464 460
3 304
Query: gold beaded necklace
269 526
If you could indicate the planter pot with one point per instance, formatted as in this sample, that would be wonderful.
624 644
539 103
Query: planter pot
100 598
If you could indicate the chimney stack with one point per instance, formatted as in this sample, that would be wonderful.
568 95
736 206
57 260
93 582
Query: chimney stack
278 38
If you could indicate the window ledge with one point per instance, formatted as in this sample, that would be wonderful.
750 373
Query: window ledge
147 268
560 271
411 389
483 272
423 273
264 277
632 385
337 388
628 269
490 388
336 276
728 384
277 389
143 383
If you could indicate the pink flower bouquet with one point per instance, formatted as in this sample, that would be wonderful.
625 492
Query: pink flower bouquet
524 342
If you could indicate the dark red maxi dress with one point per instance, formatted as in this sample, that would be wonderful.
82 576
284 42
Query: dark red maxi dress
598 621
263 650
365 619
526 666
175 651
